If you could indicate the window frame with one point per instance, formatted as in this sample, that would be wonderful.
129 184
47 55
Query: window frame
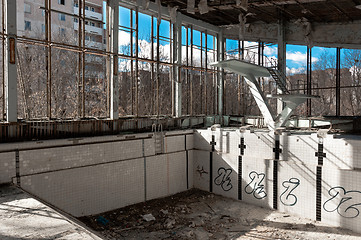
25 8
61 17
27 25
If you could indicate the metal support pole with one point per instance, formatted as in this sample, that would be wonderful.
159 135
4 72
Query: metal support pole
243 86
201 74
81 32
172 57
281 57
3 113
206 74
214 78
309 79
187 69
82 104
136 80
338 81
152 66
239 82
131 62
48 56
191 75
113 67
220 75
259 53
10 70
158 70
177 69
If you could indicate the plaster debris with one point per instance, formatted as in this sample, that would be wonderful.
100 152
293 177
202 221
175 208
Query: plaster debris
173 13
244 5
201 215
165 212
203 7
190 6
146 4
148 217
159 6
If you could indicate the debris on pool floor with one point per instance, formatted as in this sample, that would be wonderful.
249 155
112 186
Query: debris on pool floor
196 214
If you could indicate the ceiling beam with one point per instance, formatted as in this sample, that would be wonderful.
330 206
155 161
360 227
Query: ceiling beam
340 10
345 34
263 11
308 10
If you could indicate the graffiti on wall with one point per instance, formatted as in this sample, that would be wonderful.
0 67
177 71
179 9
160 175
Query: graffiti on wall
256 186
201 171
345 203
223 178
288 197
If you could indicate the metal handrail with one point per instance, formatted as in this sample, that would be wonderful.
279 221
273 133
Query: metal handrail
250 56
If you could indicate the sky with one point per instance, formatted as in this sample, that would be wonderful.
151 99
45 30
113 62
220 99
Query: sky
296 56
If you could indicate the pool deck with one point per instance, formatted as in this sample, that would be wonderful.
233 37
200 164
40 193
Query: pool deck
23 217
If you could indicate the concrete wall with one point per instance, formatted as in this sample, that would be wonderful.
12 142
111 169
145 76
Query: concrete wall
93 175
290 184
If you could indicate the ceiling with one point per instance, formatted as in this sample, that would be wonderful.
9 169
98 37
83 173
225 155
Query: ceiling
226 12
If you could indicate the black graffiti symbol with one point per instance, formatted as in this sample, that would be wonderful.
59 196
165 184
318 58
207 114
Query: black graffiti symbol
344 202
201 171
223 178
256 186
288 198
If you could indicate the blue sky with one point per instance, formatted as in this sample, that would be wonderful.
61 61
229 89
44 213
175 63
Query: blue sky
296 55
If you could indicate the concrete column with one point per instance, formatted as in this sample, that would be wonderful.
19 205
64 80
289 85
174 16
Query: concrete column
177 68
220 75
281 57
10 72
113 30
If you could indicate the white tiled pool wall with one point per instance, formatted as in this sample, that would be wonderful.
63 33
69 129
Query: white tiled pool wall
94 175
296 178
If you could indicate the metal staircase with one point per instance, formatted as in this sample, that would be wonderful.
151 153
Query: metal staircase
279 78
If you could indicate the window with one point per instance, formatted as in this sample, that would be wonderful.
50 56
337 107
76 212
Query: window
86 8
61 17
61 2
92 9
76 20
86 23
27 26
92 24
87 38
27 8
43 13
62 31
43 28
76 4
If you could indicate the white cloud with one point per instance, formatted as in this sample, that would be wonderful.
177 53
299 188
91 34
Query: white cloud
299 57
270 51
292 71
124 38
